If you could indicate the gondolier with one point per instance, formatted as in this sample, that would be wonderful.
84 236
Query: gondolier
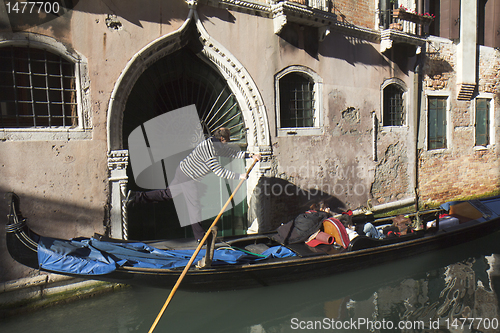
200 162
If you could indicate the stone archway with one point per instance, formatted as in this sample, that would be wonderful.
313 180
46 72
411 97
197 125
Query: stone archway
244 89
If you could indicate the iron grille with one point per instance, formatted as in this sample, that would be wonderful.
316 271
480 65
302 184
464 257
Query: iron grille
37 89
296 101
182 79
393 106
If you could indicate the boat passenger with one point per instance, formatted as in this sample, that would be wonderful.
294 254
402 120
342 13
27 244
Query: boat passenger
368 229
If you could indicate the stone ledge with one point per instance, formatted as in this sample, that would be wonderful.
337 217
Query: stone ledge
283 12
28 294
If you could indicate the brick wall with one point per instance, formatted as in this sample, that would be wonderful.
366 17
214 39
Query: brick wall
357 12
452 176
461 170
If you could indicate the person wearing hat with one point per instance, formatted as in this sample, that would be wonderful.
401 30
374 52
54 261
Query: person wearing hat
200 162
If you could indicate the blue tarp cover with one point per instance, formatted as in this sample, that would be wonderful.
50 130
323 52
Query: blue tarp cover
93 257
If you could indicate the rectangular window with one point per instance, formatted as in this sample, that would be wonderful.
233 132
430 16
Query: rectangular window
37 89
437 122
296 101
482 123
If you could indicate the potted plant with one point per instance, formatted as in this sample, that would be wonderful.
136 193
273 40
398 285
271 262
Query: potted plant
396 26
405 14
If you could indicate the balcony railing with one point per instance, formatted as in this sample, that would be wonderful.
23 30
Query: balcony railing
405 21
325 5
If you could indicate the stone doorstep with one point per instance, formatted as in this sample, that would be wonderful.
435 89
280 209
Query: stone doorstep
28 294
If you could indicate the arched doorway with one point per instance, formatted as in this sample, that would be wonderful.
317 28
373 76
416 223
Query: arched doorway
239 87
177 80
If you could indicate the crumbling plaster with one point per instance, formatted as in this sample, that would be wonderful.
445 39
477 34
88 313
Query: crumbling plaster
62 178
339 162
66 180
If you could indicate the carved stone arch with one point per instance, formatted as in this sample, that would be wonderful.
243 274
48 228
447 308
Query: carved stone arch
238 79
242 85
132 71
394 80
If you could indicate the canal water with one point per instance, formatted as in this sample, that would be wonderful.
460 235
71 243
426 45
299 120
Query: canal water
435 292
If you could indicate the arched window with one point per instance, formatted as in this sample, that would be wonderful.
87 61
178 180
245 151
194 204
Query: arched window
298 102
37 89
394 113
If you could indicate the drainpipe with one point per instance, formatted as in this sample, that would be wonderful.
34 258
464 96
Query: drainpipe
374 136
417 99
420 10
389 205
392 205
418 88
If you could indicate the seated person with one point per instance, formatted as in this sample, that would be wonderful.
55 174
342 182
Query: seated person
344 231
301 227
368 229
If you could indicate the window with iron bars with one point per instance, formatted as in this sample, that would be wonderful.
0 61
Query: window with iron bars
37 89
296 101
394 111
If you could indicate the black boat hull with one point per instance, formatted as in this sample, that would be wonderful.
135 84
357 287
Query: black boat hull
21 240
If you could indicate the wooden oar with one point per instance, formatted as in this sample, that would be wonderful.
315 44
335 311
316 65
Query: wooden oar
190 262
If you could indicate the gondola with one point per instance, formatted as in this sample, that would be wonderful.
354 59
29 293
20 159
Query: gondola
474 219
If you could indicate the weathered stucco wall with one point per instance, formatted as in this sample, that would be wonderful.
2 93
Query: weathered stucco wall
63 184
338 164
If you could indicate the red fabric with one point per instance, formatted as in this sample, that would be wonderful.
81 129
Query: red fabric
342 238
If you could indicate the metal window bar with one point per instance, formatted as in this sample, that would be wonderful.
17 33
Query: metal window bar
393 106
15 87
35 104
31 88
62 92
47 93
297 101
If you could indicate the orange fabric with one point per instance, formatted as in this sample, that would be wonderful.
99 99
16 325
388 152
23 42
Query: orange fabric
335 228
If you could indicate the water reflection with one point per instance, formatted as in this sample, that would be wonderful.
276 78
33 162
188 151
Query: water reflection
438 302
424 294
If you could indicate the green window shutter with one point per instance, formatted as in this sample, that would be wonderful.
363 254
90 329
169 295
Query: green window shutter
482 122
437 123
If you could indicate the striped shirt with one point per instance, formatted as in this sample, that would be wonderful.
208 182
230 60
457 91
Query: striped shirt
203 159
